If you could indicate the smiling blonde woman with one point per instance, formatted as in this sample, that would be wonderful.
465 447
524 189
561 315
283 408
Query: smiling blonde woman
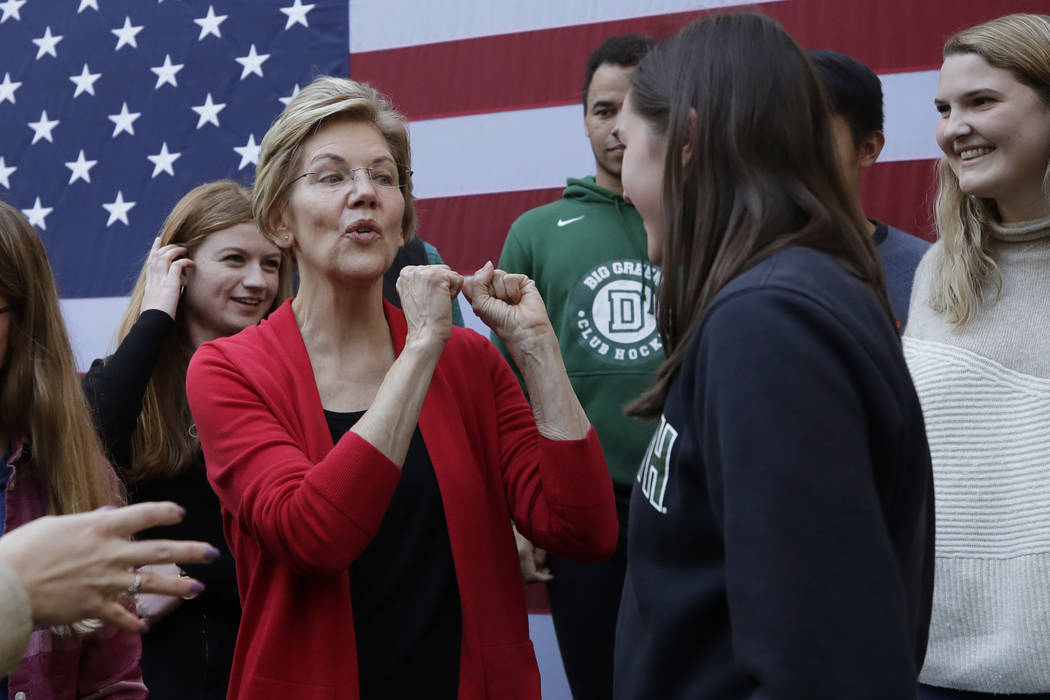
978 347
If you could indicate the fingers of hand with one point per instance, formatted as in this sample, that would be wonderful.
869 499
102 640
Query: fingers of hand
508 287
178 267
167 551
168 584
427 276
128 520
162 257
114 613
456 286
540 576
539 556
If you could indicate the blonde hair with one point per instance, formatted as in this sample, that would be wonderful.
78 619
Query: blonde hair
164 443
40 395
324 100
1019 43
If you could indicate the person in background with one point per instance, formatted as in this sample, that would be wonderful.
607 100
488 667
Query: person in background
781 532
51 464
209 274
57 570
369 461
856 119
587 256
978 345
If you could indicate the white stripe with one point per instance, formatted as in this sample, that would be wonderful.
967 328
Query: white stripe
499 151
390 24
538 148
911 120
92 326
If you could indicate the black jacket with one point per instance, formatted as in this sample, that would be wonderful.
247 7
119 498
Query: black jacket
781 530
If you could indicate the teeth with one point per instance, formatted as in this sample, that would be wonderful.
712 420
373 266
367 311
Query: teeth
974 152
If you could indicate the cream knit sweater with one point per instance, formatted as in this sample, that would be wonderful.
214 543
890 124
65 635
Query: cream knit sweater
985 393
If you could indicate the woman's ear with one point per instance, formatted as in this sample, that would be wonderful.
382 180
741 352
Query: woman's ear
283 231
690 134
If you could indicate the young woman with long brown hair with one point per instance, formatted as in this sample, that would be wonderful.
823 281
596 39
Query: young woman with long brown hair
209 274
781 531
51 463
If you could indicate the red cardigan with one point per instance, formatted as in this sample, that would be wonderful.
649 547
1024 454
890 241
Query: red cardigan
298 511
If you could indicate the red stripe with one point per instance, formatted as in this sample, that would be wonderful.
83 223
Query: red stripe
470 230
545 67
902 194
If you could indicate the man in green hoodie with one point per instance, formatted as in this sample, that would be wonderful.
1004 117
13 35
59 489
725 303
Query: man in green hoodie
587 255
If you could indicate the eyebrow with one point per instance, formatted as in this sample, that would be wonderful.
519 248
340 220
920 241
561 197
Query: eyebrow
340 159
603 103
971 93
244 252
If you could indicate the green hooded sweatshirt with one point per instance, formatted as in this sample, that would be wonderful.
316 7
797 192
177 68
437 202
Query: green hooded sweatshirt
587 255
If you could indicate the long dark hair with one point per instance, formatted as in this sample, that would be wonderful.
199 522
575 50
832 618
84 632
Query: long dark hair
762 176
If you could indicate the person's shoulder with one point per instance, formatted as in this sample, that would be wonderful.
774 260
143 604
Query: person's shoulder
801 279
928 263
798 269
542 216
904 242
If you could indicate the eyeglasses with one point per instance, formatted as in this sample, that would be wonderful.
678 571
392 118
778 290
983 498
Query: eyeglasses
389 176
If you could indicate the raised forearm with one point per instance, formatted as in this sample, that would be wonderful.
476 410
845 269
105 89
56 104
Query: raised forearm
558 413
389 423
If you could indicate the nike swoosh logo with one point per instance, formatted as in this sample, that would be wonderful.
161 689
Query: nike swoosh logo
566 222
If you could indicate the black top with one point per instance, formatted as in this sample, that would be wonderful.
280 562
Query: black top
187 654
403 588
781 529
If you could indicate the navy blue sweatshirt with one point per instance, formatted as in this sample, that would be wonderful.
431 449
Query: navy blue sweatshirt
781 530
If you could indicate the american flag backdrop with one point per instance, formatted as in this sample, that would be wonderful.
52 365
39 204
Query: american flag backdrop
112 109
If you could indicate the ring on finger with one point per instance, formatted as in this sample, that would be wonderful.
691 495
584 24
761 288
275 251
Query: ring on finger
137 585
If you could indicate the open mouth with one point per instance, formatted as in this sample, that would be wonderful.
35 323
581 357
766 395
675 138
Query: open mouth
971 153
250 302
364 231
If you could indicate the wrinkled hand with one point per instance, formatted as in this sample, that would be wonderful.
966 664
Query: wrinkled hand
427 294
76 567
532 560
507 303
164 268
